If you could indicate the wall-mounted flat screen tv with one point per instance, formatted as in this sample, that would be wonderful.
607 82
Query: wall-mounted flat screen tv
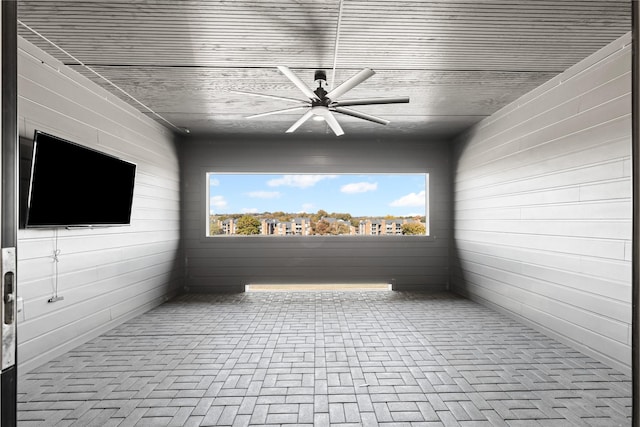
72 185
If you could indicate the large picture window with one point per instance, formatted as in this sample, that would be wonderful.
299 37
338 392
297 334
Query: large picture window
241 204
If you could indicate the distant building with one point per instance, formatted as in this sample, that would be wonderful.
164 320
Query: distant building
301 226
383 227
370 227
295 227
269 226
228 226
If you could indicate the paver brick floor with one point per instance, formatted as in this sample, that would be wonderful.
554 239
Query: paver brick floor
324 358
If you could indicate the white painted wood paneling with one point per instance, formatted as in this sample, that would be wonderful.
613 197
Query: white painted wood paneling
106 275
460 61
542 207
229 263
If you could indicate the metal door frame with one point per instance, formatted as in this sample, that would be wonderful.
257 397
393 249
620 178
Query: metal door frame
635 161
8 211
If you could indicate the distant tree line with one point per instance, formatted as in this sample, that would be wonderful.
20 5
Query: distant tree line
249 224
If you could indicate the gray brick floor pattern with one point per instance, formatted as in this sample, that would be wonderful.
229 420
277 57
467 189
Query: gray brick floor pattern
324 358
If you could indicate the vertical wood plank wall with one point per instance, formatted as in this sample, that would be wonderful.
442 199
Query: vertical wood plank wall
229 263
542 207
106 275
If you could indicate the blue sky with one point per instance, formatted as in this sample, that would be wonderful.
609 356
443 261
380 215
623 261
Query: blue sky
357 194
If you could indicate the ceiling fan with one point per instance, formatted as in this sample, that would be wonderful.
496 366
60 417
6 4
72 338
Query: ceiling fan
322 104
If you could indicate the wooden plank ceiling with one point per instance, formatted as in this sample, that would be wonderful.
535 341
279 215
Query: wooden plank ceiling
458 60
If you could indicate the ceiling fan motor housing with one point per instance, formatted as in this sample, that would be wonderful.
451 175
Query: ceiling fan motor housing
320 75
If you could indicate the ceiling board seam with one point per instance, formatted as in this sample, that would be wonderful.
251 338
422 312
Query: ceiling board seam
377 69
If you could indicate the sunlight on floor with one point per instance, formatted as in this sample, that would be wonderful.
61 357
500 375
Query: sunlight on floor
320 287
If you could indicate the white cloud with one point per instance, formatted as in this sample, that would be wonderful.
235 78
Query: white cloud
411 199
217 203
359 187
214 182
307 207
264 194
249 210
300 181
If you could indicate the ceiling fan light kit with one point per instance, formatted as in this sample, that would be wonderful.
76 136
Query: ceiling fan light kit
322 104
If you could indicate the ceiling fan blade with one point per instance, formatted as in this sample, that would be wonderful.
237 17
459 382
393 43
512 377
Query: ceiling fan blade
263 95
370 101
329 118
351 83
300 121
299 83
358 114
285 110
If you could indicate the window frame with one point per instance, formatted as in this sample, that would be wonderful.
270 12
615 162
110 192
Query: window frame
358 237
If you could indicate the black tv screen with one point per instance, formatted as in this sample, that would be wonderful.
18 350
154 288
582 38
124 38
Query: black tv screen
72 185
